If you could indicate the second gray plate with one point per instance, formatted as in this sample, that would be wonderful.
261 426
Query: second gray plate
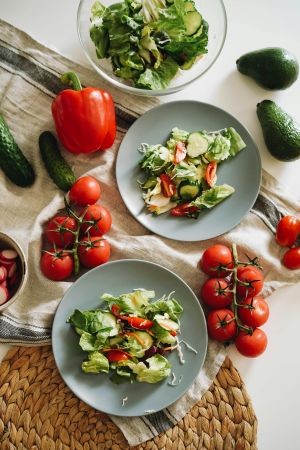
242 172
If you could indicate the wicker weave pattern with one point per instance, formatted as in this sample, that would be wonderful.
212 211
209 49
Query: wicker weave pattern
38 411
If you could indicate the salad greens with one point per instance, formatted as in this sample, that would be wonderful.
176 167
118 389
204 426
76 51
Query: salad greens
181 175
129 337
149 41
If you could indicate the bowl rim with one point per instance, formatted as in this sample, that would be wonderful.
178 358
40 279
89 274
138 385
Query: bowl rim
21 254
149 92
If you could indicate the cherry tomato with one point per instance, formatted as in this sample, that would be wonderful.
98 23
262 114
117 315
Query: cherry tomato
251 275
218 326
288 229
251 345
55 231
257 316
211 173
180 152
58 265
115 309
184 209
117 355
139 323
85 191
214 257
291 258
95 252
102 217
214 293
168 187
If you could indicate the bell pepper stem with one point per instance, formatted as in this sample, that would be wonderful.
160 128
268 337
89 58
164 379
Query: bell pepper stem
72 79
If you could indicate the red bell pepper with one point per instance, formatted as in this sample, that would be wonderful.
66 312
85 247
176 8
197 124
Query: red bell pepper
184 210
211 173
180 152
168 186
84 118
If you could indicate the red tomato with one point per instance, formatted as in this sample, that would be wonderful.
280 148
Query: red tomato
218 326
95 252
139 323
184 209
251 345
58 265
211 173
85 191
56 233
117 355
168 187
291 258
288 229
251 275
256 316
214 293
180 152
214 257
101 218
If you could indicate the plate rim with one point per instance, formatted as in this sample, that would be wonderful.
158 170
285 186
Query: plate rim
118 261
205 104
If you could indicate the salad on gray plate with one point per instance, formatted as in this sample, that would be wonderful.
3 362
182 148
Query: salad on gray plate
149 41
130 336
181 175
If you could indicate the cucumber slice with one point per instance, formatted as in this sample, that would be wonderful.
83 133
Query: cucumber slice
115 341
189 190
192 21
79 331
189 6
197 145
111 321
145 338
167 324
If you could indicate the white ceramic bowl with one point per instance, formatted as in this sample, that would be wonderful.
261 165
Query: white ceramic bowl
213 11
7 242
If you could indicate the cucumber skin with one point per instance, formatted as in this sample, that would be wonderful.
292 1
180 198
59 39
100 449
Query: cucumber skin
56 166
12 161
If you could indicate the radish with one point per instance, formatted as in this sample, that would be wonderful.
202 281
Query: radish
7 264
4 283
13 279
8 255
3 273
12 270
4 295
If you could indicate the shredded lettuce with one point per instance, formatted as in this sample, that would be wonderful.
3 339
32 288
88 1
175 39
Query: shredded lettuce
168 306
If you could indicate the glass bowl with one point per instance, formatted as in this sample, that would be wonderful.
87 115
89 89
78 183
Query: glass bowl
213 11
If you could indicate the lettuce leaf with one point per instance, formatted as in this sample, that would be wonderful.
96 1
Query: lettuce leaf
158 78
96 363
131 303
162 335
159 368
211 197
169 306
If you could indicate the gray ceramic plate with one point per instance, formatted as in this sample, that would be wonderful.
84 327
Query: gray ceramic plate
242 172
98 391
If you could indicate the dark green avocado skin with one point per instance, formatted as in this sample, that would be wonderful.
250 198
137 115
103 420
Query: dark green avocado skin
281 132
272 67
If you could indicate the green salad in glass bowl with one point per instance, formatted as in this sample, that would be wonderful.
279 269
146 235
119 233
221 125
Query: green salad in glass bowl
151 47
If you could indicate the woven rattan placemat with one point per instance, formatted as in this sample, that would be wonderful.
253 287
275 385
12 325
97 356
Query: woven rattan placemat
38 411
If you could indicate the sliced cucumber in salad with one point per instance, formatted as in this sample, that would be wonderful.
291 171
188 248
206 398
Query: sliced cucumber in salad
188 190
197 145
192 21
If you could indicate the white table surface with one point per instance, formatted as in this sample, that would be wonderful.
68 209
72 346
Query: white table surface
273 379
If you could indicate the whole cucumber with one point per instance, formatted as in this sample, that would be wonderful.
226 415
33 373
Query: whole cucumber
57 167
12 161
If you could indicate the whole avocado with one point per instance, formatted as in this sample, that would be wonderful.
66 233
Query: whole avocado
281 132
272 67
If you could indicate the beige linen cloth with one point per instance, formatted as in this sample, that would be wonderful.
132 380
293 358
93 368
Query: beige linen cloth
29 80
